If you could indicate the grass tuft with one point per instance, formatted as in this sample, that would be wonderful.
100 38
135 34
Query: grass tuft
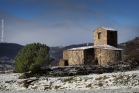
89 86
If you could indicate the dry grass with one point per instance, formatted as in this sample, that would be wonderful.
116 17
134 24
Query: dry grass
100 78
100 84
47 87
57 87
85 80
36 87
89 86
105 77
68 79
119 78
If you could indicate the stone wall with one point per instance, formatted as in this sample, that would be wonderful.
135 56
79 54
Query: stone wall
62 62
90 56
103 37
76 57
65 54
107 37
106 55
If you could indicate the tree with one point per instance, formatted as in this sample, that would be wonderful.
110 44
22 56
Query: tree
32 57
132 48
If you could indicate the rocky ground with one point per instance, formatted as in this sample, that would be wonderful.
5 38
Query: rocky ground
119 82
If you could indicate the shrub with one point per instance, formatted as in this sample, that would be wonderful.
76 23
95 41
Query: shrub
31 58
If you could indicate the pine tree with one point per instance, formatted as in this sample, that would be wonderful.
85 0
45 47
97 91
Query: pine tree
31 57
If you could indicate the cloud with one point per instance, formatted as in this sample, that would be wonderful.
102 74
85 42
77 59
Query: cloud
26 31
63 22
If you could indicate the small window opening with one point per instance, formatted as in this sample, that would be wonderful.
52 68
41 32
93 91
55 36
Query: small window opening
99 35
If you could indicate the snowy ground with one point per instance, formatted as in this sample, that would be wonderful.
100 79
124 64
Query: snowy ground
120 82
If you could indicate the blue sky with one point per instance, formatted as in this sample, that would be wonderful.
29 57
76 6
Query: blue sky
66 22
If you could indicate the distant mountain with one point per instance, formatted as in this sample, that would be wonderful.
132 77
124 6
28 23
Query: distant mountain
9 50
57 52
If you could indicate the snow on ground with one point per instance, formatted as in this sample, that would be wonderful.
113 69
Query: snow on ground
119 82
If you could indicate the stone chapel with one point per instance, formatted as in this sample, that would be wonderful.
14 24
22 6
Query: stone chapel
104 50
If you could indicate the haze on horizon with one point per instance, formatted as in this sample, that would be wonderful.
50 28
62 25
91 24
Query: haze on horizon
66 22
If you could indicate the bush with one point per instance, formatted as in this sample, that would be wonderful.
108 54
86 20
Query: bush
31 58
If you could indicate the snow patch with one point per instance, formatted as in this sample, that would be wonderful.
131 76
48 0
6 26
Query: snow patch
107 28
96 46
106 81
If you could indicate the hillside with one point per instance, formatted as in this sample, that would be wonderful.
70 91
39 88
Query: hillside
130 49
9 50
124 44
57 52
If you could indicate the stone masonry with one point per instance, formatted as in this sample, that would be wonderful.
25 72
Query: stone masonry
78 56
106 37
103 56
104 50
